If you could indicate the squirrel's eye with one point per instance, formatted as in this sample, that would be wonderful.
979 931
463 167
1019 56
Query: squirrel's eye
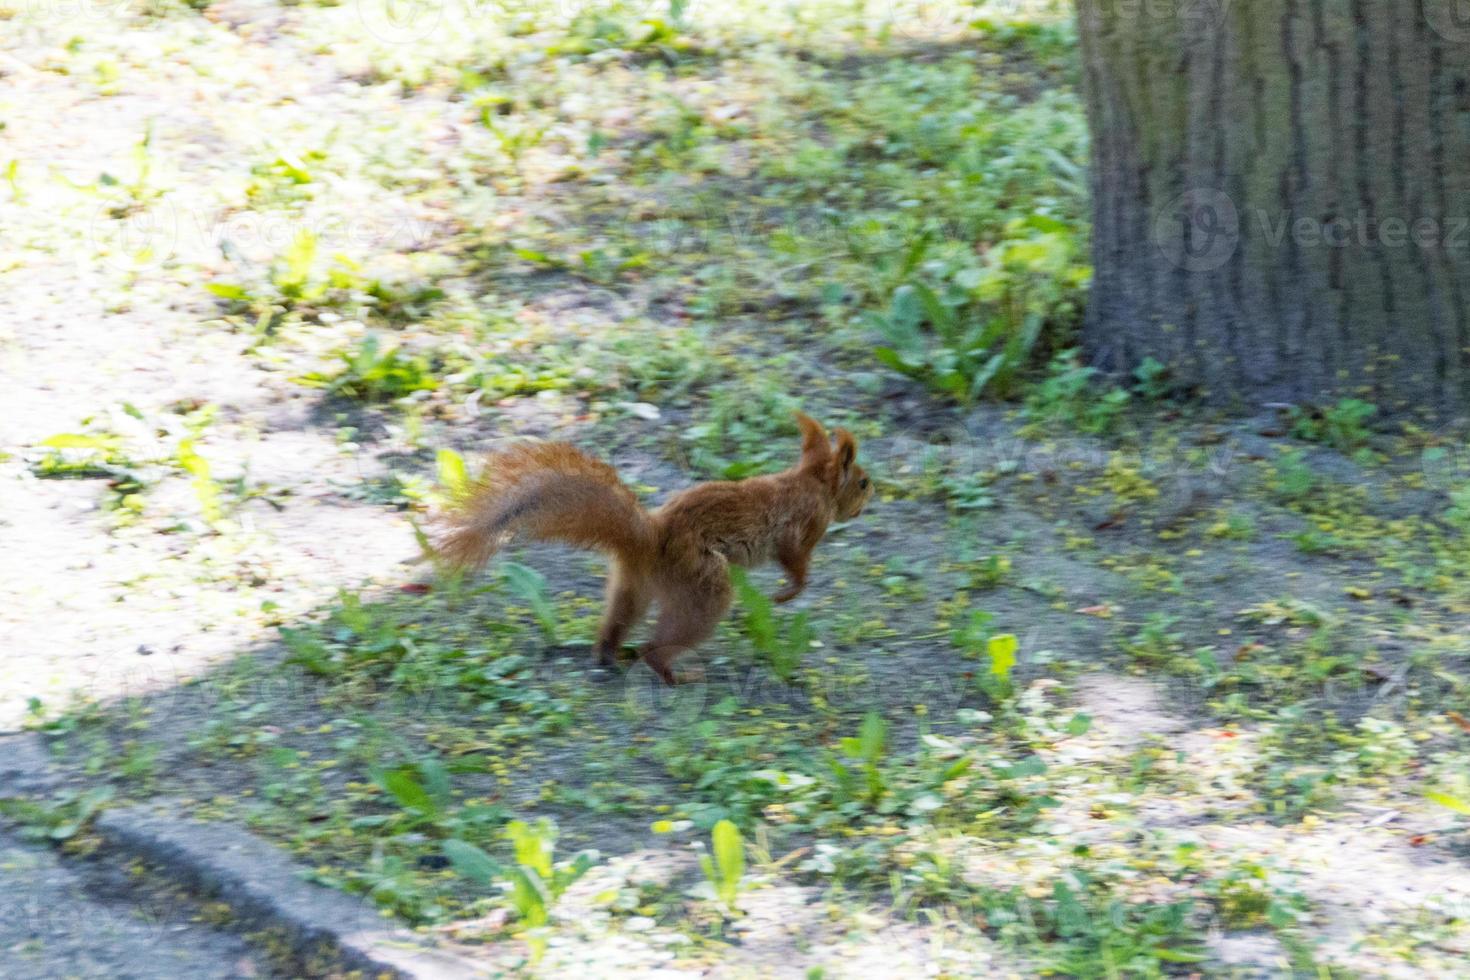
863 483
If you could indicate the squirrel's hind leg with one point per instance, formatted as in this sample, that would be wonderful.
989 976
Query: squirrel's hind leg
689 611
627 604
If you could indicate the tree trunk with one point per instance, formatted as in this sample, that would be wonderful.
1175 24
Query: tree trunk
1282 196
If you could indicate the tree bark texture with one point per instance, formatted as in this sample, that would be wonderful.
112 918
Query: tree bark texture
1282 196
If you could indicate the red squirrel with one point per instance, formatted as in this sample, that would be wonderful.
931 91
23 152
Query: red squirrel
677 555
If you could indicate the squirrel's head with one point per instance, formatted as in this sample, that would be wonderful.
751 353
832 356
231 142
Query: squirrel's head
834 462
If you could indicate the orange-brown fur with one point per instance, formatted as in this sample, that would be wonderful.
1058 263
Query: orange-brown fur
675 557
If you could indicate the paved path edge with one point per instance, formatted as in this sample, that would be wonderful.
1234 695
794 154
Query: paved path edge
261 883
258 881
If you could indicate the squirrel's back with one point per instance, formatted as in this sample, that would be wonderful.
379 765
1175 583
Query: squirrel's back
742 520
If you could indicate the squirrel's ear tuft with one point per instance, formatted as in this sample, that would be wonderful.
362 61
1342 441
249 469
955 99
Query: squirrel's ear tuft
814 447
846 448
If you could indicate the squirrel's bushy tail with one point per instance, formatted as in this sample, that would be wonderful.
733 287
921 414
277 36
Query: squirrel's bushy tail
545 491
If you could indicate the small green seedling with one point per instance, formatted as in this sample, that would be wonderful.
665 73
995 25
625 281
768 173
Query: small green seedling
866 749
996 682
529 585
781 640
726 867
536 882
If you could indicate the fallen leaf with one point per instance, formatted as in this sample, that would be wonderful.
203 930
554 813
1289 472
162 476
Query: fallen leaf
799 852
491 923
643 410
